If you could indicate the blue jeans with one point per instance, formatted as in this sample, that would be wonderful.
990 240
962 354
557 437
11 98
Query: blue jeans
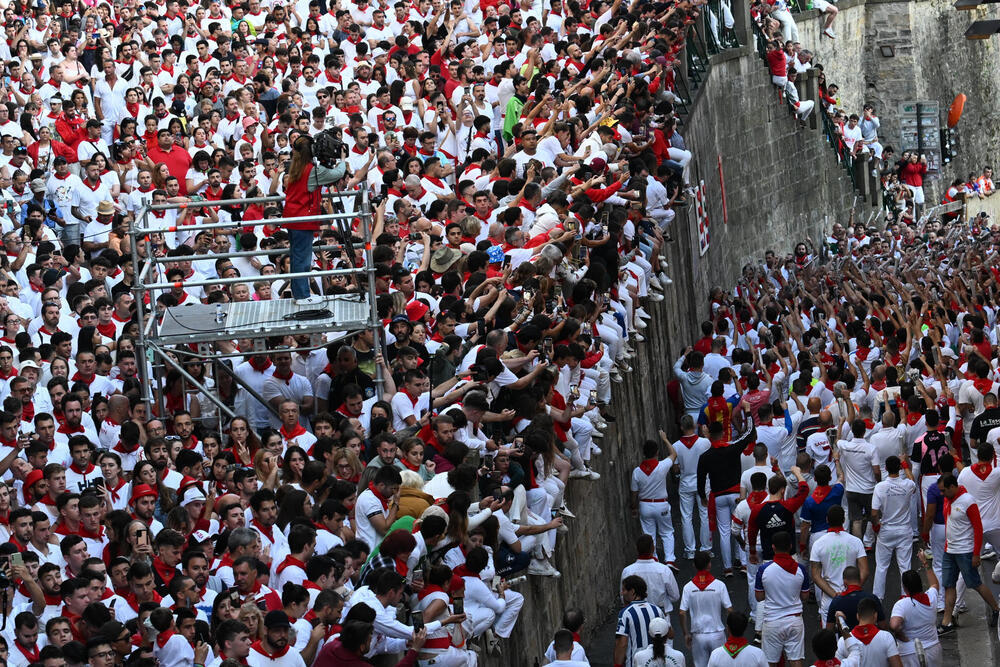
301 259
953 565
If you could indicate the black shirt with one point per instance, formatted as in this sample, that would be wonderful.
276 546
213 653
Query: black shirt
722 464
986 421
849 605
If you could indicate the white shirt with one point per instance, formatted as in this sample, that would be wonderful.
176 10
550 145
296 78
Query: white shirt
959 534
892 498
689 449
705 607
403 406
857 457
368 506
782 590
644 658
750 656
834 551
661 585
654 485
284 658
919 621
888 442
876 653
983 482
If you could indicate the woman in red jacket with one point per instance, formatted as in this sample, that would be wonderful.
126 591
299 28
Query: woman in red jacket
302 198
912 174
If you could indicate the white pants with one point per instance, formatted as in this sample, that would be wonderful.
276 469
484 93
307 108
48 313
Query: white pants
891 540
932 653
751 581
918 194
688 500
453 657
724 506
789 31
655 519
702 645
804 109
484 618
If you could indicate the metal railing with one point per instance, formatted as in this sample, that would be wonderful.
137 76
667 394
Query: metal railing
148 339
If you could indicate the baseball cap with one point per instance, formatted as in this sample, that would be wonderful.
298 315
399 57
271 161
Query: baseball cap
659 627
38 185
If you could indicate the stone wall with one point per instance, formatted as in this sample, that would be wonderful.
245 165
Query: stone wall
783 184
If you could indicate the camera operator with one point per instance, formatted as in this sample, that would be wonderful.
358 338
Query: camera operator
302 198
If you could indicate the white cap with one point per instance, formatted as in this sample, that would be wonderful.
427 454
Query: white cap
659 627
192 494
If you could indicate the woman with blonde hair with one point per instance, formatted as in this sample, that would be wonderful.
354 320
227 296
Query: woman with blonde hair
412 500
267 467
252 617
347 465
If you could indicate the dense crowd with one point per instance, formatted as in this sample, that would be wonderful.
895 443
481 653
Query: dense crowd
379 497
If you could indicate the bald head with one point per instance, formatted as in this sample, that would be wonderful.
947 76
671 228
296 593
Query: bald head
118 406
814 405
825 418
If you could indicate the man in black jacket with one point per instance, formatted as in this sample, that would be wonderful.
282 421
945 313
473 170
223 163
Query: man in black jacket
721 464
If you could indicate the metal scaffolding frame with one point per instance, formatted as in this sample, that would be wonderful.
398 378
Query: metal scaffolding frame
162 341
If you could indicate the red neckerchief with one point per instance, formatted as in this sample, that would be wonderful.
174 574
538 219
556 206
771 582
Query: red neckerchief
287 379
121 482
166 572
428 589
983 385
832 662
851 588
290 562
703 579
65 429
343 409
259 647
94 187
296 432
382 499
87 471
756 498
912 418
260 365
862 353
981 470
120 447
108 330
921 598
30 656
820 493
463 571
408 465
787 563
164 637
194 443
83 532
648 466
266 530
689 440
865 633
134 603
28 411
734 645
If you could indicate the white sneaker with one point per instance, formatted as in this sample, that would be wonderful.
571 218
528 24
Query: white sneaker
655 296
595 475
564 511
617 378
579 473
829 33
640 323
596 434
597 451
654 283
996 570
638 337
623 367
311 300
543 568
641 312
665 280
663 259
988 553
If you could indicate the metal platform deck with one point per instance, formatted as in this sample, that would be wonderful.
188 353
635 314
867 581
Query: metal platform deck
197 323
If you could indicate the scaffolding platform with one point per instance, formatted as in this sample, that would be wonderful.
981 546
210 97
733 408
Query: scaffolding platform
202 323
198 330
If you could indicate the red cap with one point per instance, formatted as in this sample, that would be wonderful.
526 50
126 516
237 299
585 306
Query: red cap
416 309
141 490
30 480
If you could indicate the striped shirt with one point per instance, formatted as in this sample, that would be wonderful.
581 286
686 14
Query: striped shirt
633 622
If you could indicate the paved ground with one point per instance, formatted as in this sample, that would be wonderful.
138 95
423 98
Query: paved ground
974 643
